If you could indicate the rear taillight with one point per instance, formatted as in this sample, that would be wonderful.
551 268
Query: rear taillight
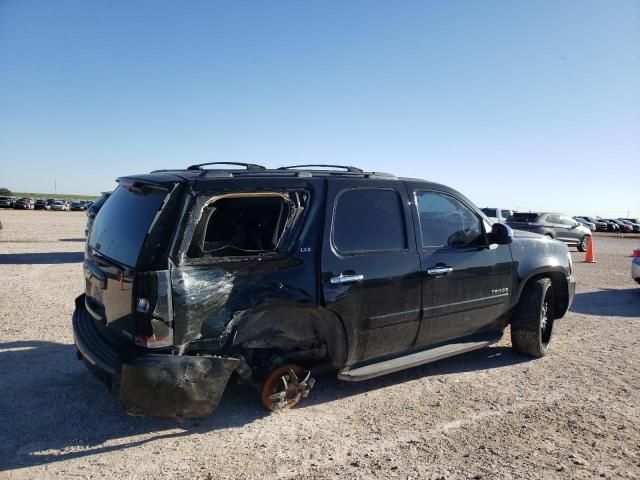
153 310
636 252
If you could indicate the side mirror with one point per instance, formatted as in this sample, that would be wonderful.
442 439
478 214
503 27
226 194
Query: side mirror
500 234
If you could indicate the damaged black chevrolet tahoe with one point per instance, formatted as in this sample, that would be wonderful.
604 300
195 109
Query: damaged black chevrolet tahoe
267 275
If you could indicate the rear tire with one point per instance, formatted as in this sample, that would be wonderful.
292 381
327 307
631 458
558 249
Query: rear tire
532 325
584 243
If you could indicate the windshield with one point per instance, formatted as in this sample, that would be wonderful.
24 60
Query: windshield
121 225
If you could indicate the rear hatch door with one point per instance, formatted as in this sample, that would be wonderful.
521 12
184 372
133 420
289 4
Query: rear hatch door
125 251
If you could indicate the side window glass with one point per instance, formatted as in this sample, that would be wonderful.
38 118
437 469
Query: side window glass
368 220
553 219
505 213
446 222
242 225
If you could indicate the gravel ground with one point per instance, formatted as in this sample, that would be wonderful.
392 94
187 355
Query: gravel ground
487 414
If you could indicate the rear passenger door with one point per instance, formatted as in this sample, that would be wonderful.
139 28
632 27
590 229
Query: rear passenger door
370 270
559 229
465 282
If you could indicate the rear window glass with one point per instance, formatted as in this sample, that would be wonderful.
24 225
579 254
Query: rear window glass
369 220
489 212
121 226
523 217
505 213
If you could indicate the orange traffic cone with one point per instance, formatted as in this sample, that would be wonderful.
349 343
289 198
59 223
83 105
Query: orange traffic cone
590 257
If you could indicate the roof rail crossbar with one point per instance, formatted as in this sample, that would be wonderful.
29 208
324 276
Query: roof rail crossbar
248 166
321 165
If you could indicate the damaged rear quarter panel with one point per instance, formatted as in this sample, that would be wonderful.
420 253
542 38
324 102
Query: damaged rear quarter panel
262 302
209 301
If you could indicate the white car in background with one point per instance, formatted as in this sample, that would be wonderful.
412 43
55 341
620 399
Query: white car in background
59 206
635 265
497 215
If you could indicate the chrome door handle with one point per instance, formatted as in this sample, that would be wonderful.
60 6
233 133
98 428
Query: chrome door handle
346 278
439 270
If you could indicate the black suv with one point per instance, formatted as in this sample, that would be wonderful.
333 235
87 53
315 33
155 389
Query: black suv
269 274
553 225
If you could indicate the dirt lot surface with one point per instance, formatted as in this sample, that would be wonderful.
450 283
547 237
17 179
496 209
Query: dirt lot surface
487 414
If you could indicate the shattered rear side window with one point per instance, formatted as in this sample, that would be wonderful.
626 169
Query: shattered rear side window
247 224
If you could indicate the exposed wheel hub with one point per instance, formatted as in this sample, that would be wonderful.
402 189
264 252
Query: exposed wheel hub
285 387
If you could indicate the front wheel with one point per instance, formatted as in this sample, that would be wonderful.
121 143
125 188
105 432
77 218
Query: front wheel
584 243
532 325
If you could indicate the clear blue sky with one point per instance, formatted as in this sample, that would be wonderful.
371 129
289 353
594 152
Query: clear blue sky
530 105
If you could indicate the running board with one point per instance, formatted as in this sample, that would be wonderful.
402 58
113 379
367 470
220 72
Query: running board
413 360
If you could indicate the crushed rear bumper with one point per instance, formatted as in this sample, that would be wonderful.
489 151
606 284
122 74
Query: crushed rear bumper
159 385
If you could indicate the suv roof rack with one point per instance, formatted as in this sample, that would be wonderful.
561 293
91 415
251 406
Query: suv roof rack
248 166
252 170
322 165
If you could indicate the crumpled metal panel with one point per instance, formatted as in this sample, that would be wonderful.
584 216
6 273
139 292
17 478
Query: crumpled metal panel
201 296
183 387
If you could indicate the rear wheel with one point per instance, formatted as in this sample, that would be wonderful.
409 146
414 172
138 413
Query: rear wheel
532 325
584 243
285 387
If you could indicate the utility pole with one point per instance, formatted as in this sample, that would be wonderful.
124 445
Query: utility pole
55 187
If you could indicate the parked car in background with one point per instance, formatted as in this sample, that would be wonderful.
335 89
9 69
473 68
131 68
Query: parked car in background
59 206
634 225
7 201
622 227
591 226
553 225
611 226
93 209
41 205
76 206
24 203
600 225
497 214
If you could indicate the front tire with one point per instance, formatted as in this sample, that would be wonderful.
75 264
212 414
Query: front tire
532 325
584 243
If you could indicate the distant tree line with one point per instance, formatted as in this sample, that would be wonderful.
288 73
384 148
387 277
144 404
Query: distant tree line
5 191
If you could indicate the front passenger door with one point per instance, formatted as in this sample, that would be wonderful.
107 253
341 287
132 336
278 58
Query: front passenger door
465 282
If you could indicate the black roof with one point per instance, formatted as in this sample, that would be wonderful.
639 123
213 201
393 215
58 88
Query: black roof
202 178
